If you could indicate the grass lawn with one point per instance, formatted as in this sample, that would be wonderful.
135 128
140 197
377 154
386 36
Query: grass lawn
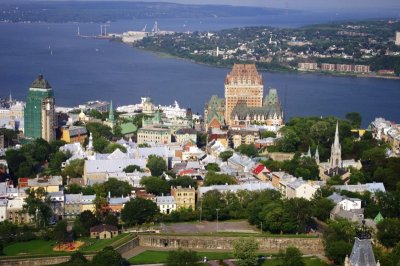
312 261
154 256
92 244
37 247
32 247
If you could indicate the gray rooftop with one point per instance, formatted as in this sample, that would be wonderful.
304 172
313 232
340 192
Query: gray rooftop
362 253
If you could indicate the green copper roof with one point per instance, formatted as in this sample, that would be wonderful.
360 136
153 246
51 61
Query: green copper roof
40 83
128 128
378 218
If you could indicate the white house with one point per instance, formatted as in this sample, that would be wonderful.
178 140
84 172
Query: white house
3 210
346 203
300 188
166 204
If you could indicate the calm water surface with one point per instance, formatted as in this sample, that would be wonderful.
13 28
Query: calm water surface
86 69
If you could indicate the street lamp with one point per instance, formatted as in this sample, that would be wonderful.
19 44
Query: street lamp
217 219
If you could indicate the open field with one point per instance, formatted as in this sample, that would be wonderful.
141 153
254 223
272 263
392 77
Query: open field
154 256
42 247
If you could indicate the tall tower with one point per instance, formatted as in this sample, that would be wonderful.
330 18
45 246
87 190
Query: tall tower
111 113
336 150
39 117
243 84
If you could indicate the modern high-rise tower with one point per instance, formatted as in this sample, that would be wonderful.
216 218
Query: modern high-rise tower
39 116
245 85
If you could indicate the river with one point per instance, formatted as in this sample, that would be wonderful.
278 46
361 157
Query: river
85 69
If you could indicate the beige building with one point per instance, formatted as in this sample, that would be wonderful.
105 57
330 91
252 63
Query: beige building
244 136
243 84
50 184
75 204
344 68
361 69
397 41
184 197
307 66
154 135
185 134
15 213
48 120
327 67
103 231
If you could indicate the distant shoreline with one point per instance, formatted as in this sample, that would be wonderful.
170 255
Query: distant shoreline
290 71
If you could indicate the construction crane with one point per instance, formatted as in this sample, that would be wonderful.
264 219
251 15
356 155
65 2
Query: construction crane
144 28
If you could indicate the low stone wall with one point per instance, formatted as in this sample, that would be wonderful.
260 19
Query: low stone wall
128 245
38 261
307 246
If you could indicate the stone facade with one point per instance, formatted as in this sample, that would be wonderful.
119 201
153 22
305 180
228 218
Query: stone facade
269 244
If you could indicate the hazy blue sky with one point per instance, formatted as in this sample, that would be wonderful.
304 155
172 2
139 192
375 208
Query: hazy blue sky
299 4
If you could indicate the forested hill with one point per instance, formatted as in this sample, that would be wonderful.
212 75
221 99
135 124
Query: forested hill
102 11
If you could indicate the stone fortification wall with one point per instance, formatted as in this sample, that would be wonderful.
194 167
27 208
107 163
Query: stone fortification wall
37 261
268 244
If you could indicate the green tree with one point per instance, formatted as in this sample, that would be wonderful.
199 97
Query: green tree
181 257
225 155
268 134
249 150
117 188
156 164
321 208
183 181
79 229
56 159
155 185
338 239
88 219
245 250
108 257
37 205
138 211
338 250
132 168
389 232
212 167
100 144
292 257
60 233
74 169
355 119
112 147
111 219
99 130
213 178
77 259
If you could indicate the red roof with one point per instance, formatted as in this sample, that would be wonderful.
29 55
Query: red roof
187 171
260 167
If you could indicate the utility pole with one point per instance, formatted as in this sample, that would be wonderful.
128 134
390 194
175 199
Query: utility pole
217 220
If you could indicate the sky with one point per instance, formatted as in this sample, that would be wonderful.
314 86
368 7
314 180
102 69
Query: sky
298 4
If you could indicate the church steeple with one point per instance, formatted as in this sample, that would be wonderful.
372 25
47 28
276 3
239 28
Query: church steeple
309 152
336 150
316 157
